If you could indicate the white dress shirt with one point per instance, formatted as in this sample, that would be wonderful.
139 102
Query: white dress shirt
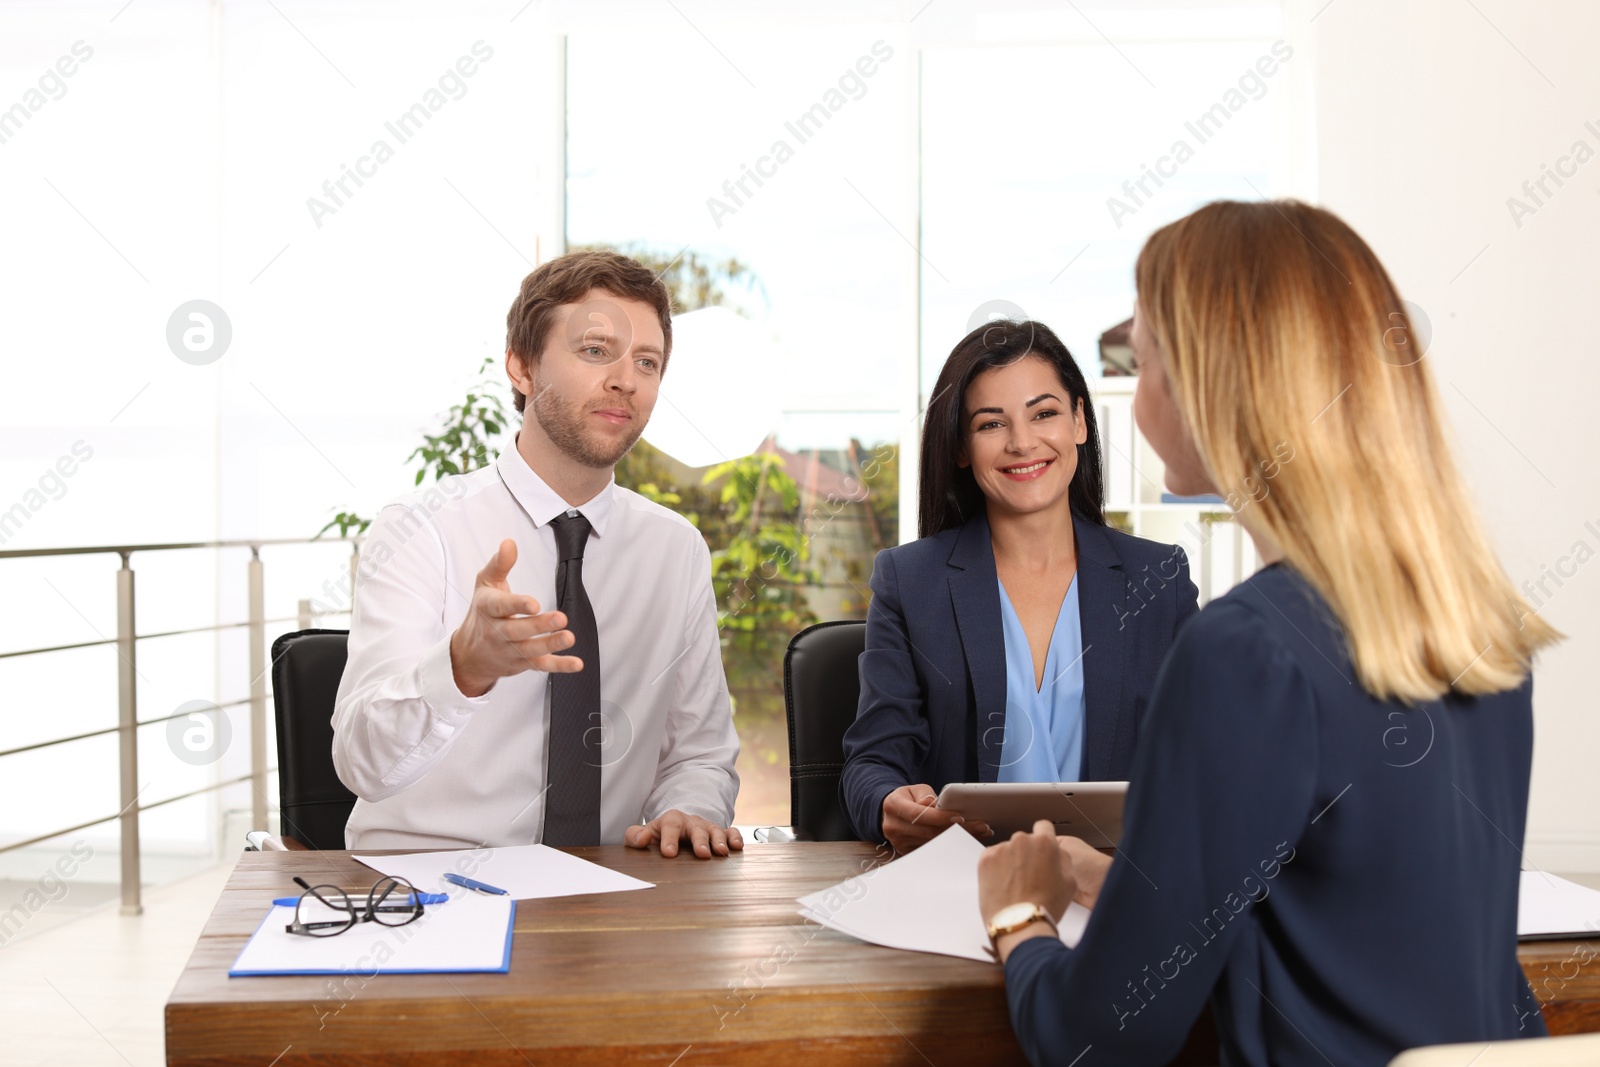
434 768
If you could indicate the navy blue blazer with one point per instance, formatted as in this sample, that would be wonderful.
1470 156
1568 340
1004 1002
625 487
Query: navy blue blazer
1336 874
933 676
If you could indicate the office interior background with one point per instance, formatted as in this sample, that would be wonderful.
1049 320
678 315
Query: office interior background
349 193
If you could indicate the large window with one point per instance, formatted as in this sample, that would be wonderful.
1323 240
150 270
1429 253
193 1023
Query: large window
779 161
1040 187
854 182
861 194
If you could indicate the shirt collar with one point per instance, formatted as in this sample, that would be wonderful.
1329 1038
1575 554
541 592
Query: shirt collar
543 503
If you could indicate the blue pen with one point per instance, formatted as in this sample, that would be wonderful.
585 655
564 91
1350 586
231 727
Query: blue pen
425 898
467 883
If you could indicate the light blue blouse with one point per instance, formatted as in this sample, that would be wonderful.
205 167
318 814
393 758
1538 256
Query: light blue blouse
1044 726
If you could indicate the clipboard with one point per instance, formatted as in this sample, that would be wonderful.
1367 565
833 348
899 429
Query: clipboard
470 933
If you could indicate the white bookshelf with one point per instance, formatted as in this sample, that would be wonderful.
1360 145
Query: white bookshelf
1220 553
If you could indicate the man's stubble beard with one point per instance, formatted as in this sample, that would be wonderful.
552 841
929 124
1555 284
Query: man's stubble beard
565 425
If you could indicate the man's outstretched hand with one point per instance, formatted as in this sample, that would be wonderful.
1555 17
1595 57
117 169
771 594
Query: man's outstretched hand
504 633
674 827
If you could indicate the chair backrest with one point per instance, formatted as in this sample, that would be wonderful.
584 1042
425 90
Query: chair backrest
314 805
821 687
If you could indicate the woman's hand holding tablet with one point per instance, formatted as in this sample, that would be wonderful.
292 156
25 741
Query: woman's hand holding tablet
911 817
1090 810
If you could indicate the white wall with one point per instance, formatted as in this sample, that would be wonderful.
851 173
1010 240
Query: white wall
1432 113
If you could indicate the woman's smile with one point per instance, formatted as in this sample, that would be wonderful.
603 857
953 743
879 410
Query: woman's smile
1027 472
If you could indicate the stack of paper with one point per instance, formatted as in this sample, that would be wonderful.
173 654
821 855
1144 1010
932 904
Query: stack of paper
469 933
1549 907
925 901
523 871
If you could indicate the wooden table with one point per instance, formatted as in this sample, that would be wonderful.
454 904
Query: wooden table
712 966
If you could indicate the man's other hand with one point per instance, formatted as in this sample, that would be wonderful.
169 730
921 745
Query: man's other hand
674 827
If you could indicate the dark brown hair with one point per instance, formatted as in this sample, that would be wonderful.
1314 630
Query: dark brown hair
566 280
948 494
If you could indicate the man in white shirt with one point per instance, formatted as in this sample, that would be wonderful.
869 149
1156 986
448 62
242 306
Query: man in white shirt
472 711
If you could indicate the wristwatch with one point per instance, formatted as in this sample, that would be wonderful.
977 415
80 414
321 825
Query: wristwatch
1013 917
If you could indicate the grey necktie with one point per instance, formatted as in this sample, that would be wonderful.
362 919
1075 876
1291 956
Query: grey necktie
572 757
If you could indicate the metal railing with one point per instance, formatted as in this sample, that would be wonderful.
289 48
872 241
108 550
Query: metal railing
128 721
256 622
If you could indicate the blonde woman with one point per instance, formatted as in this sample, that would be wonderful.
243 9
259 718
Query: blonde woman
1332 780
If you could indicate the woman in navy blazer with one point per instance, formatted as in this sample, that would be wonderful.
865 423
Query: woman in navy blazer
1323 827
1012 532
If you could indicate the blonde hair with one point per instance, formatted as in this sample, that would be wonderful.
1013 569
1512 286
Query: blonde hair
1277 324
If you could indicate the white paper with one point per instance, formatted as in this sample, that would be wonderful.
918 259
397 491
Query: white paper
1547 906
469 933
925 901
524 871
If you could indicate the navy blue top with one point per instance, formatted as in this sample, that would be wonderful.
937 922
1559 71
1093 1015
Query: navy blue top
933 676
1338 874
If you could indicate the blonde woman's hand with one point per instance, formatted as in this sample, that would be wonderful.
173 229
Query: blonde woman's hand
1088 866
1028 869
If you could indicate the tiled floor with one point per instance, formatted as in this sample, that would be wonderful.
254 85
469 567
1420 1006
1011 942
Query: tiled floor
90 992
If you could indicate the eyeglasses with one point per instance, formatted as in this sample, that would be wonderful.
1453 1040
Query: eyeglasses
327 910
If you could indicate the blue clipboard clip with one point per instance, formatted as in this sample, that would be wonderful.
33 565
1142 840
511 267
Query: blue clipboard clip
424 898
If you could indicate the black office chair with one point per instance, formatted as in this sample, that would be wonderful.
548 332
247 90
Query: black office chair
821 688
313 804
